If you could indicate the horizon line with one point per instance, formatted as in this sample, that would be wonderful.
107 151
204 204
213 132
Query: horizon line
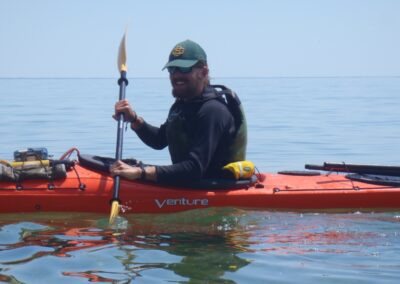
218 77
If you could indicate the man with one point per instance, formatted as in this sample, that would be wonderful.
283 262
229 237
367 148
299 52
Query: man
201 131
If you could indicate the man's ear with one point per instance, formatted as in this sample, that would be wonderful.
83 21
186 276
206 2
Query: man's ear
205 70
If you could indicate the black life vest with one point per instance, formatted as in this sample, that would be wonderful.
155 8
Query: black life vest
178 127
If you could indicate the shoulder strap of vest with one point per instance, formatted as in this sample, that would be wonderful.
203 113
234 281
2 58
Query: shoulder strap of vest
232 100
223 90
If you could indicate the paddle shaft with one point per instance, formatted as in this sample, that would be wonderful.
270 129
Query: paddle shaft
122 82
356 168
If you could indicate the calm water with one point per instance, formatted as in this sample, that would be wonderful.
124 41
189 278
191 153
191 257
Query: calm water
292 121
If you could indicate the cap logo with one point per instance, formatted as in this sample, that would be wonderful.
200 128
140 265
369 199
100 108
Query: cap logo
178 50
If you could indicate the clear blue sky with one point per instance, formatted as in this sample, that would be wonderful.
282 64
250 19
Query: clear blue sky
79 38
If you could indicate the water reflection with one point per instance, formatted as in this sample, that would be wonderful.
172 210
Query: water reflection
173 247
211 245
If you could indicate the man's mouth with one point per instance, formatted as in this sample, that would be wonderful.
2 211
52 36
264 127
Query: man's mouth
179 83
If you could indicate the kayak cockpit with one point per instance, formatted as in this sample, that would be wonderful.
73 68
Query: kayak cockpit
102 164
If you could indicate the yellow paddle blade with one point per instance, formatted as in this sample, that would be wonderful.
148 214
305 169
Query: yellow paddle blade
122 66
114 211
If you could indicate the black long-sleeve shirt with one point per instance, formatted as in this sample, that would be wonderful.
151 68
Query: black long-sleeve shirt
209 127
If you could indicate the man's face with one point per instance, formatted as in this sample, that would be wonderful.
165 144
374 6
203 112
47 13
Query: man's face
188 85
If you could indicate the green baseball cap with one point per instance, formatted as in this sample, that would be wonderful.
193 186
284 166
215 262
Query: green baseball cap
186 54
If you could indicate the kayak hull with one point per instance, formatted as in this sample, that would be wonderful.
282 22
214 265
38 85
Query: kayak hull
85 190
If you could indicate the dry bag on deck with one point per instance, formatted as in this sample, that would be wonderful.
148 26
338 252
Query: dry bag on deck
32 171
33 163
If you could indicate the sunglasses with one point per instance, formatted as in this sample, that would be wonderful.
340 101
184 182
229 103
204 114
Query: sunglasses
185 70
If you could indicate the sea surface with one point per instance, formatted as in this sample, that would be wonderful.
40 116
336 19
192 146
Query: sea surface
292 121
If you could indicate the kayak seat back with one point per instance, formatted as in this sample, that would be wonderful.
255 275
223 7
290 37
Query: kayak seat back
102 164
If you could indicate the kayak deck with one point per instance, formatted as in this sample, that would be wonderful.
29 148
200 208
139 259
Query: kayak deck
85 190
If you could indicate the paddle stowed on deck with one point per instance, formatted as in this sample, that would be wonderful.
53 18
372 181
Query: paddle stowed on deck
376 174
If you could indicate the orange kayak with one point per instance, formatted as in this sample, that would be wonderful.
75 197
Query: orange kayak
87 190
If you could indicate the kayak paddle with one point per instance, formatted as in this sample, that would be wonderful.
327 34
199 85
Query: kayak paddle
357 168
122 82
